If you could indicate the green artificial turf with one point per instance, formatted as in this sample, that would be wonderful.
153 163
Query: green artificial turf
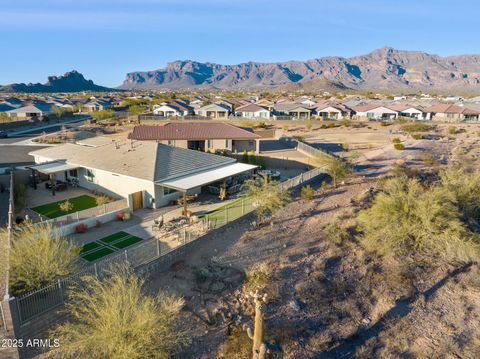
234 209
113 237
89 246
127 242
52 210
102 252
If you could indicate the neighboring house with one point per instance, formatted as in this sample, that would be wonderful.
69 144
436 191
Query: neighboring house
375 112
147 173
96 105
173 108
411 111
292 110
33 111
214 110
452 113
269 105
331 111
199 136
252 111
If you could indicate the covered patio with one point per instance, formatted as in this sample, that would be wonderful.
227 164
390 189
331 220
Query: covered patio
194 182
51 171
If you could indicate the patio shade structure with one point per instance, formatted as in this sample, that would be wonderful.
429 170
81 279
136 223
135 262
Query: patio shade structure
185 183
50 169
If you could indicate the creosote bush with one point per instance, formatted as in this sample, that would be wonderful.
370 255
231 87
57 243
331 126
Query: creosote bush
114 318
307 193
336 233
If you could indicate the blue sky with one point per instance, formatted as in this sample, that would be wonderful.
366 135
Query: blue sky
105 39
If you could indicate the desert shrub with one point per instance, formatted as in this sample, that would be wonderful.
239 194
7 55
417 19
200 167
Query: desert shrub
429 159
417 127
384 124
409 218
452 130
337 168
399 146
114 318
324 126
417 136
101 200
307 193
346 123
39 255
20 196
396 140
336 233
66 206
268 197
237 346
245 156
286 128
261 125
332 125
258 277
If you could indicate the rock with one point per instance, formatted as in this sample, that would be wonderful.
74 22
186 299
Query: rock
296 304
366 320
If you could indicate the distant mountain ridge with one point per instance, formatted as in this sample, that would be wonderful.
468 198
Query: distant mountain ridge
382 69
72 81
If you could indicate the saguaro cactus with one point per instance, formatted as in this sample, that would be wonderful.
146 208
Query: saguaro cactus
259 348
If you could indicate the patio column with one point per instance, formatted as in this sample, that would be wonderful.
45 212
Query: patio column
185 203
34 179
52 183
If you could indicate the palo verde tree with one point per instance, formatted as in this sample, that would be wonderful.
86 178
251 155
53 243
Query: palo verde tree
407 217
114 318
38 256
268 196
337 168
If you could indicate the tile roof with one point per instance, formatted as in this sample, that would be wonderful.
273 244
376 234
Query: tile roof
250 108
191 131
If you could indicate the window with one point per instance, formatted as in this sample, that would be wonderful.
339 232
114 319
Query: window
227 143
73 173
90 175
167 191
171 142
210 144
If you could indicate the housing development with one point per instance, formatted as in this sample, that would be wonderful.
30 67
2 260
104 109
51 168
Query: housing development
239 205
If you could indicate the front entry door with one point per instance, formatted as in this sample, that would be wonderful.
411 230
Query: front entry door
137 199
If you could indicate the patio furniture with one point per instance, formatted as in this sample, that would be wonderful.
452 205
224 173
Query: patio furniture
58 186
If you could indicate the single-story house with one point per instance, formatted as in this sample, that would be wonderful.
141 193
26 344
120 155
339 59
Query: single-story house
292 110
213 110
333 111
375 112
168 110
147 173
96 105
33 111
452 113
411 111
199 136
252 111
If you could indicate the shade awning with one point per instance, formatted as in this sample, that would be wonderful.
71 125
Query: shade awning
52 167
186 183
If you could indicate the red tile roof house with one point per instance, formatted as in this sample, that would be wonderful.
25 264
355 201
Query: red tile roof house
207 137
452 113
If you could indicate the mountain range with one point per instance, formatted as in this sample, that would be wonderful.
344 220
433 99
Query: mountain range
382 69
72 81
